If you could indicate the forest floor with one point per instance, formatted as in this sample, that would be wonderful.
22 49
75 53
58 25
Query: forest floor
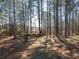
38 48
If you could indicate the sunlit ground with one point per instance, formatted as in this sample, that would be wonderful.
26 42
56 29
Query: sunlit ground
38 48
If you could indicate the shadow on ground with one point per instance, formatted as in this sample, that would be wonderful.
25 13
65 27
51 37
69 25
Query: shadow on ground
43 55
11 49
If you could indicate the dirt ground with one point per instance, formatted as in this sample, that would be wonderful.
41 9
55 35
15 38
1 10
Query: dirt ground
39 48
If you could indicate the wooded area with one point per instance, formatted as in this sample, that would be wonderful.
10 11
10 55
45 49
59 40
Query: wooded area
39 29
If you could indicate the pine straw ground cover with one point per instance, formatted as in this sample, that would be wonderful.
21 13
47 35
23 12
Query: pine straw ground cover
38 48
